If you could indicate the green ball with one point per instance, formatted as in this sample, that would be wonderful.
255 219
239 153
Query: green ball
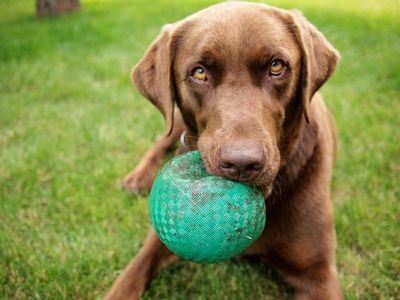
204 218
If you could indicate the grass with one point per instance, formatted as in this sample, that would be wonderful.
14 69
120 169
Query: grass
71 126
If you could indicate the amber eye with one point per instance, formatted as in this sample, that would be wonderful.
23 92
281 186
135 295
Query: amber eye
199 73
276 67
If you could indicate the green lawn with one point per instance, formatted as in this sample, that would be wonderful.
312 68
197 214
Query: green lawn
71 126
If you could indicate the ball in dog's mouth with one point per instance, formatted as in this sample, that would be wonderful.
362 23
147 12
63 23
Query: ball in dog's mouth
201 217
264 182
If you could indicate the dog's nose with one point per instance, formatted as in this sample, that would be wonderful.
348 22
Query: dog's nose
242 160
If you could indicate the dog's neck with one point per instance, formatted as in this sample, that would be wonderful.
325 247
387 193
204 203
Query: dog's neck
296 161
303 150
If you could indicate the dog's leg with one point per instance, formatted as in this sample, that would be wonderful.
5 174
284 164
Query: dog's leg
142 176
315 279
132 282
317 282
302 251
307 263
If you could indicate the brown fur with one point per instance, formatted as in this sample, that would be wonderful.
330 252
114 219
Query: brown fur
242 105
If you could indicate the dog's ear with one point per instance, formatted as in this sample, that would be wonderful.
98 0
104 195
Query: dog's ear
153 75
318 59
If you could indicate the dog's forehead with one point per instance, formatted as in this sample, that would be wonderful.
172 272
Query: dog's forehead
238 30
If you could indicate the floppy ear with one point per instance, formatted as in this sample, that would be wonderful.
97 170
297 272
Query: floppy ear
318 59
153 75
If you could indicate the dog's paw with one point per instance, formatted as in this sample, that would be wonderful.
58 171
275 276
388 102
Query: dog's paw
140 179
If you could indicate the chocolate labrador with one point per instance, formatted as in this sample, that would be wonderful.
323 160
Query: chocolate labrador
241 79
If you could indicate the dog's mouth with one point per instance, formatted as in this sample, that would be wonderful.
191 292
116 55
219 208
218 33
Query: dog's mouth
264 180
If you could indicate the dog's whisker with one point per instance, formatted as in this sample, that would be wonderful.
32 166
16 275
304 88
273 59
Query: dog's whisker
276 185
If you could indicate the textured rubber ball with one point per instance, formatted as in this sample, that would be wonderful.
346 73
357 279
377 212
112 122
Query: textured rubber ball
204 218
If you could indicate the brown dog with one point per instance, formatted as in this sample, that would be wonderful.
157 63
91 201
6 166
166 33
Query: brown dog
244 77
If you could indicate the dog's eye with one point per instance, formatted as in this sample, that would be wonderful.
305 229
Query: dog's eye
199 73
276 68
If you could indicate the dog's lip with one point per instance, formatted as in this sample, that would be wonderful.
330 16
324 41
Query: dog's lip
207 164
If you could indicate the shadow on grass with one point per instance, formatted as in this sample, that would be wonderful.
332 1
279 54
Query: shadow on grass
238 278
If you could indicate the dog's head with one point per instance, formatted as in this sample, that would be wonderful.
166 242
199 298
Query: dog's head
243 76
